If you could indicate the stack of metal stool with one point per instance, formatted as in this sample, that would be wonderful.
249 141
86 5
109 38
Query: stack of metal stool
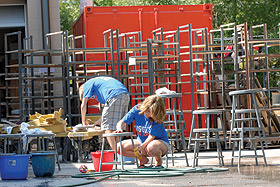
198 135
175 119
243 129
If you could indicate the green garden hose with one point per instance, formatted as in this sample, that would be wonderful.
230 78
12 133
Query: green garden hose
145 172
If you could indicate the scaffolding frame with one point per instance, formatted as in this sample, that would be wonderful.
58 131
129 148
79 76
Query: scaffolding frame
242 43
144 66
79 70
27 76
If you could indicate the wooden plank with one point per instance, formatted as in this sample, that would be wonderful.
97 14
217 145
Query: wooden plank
265 117
262 99
217 86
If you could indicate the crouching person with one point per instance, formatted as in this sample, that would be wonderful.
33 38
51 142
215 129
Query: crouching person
152 139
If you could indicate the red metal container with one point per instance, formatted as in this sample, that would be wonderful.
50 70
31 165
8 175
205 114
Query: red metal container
95 20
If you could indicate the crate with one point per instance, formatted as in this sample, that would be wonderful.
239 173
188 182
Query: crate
14 166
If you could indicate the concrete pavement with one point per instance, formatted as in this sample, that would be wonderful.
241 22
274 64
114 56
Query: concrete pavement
247 175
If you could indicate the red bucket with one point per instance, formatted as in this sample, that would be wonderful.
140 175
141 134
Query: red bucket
108 156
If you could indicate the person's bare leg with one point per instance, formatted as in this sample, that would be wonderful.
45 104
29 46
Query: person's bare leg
111 140
156 149
128 151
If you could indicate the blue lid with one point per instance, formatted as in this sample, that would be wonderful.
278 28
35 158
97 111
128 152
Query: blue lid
43 153
7 154
14 155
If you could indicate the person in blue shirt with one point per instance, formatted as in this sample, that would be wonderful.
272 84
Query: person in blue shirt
115 97
152 139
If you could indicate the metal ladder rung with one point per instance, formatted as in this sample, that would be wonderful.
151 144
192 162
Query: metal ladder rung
171 112
174 156
174 130
173 122
246 138
205 130
176 139
206 157
245 119
238 111
247 129
205 139
248 156
110 163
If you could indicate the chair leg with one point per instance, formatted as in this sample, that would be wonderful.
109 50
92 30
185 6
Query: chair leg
57 158
265 163
197 153
239 153
167 158
172 150
121 151
208 130
219 151
232 154
224 131
197 149
255 148
184 145
194 153
19 146
136 159
191 133
221 154
101 157
5 145
232 120
242 133
26 144
258 118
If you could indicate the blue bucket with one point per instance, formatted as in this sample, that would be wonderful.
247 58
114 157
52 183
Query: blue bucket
14 166
43 163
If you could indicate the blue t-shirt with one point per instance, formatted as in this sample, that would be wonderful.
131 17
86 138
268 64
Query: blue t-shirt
103 88
145 126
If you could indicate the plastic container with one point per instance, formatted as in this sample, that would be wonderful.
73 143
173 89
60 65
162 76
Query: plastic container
126 160
43 163
108 156
14 166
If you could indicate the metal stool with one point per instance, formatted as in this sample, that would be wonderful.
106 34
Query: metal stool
195 135
238 129
116 162
43 147
7 137
175 117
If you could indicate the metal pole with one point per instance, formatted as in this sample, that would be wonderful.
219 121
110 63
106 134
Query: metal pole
68 78
191 67
223 68
20 76
112 52
248 83
267 77
150 66
118 54
236 65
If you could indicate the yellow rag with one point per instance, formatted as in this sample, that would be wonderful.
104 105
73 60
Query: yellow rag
137 153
